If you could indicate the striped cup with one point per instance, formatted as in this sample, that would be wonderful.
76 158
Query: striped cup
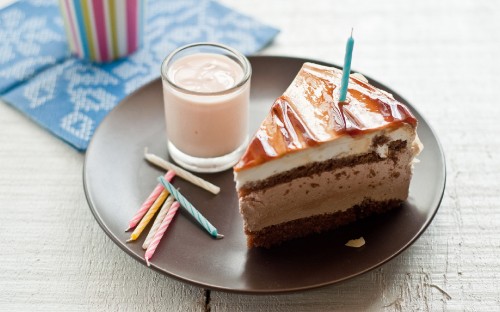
103 30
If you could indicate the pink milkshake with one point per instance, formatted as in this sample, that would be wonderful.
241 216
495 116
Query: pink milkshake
206 90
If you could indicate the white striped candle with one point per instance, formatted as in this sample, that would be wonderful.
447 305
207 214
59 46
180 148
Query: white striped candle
159 218
161 231
103 30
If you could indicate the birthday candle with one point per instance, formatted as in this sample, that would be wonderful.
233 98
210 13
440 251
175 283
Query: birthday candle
190 208
186 175
149 201
149 215
161 231
347 69
159 218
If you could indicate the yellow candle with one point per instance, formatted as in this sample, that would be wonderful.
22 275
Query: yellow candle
149 215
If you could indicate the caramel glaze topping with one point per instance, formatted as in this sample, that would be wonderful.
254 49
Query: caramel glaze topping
309 114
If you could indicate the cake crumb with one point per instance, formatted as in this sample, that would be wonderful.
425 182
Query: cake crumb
372 173
359 76
395 174
356 243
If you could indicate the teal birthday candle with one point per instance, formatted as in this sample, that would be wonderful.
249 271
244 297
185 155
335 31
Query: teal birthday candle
190 208
347 68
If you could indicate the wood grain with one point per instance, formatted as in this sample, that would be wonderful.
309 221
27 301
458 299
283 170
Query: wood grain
442 56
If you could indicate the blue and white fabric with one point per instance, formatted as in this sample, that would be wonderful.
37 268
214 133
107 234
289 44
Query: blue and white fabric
69 96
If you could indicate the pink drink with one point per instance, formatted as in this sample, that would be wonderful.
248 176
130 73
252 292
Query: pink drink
206 98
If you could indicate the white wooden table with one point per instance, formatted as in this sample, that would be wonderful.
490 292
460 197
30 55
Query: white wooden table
441 55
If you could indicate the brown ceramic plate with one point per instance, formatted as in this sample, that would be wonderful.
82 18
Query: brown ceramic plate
117 180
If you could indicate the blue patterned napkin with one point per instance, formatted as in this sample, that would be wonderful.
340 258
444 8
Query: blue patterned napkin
69 96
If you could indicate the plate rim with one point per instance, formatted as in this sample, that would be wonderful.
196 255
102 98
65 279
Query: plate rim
153 266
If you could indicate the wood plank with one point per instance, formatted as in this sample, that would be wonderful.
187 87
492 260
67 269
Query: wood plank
54 254
442 56
428 52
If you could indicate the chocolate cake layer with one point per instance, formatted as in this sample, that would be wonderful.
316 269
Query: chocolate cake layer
276 234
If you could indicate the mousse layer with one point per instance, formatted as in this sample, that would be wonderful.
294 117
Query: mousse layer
328 192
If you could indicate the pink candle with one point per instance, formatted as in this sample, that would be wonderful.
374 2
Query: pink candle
161 231
149 201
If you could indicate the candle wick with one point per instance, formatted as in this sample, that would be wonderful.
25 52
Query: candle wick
352 29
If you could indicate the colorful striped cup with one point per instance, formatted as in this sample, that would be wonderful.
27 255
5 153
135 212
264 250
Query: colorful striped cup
103 30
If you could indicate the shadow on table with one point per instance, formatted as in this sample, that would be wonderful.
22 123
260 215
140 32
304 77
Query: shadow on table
324 259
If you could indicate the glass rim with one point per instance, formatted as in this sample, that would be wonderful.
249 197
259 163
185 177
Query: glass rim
243 61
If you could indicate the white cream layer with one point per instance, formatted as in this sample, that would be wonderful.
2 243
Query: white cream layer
339 148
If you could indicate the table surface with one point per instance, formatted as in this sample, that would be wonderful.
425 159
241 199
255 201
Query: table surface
440 55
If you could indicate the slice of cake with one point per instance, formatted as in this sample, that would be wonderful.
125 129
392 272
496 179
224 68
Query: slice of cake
316 164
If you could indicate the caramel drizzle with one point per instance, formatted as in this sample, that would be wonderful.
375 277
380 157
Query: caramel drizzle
284 130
